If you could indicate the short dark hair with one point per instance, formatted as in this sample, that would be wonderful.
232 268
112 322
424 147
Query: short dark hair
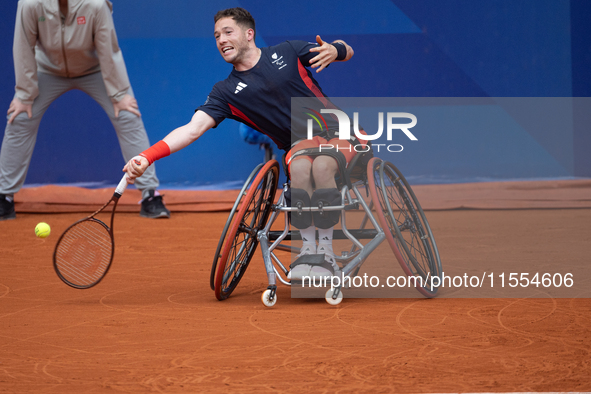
240 16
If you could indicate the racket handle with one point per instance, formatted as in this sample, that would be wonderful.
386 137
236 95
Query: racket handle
121 186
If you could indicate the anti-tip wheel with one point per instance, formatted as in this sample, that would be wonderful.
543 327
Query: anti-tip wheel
333 301
266 298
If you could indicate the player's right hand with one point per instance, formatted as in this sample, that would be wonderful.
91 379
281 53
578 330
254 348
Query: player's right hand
16 107
135 168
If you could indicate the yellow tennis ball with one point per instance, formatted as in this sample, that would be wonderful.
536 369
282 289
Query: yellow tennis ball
42 230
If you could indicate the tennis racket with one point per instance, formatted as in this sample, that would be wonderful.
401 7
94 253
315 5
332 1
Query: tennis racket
84 252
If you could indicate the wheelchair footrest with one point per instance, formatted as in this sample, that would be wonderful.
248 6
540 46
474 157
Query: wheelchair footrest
310 259
305 266
338 234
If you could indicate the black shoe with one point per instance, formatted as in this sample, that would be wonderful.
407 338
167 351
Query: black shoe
153 207
6 208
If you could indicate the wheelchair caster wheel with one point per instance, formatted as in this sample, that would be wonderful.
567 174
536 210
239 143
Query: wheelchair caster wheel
266 298
329 297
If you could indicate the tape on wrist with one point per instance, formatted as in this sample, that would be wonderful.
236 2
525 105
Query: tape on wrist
156 152
341 50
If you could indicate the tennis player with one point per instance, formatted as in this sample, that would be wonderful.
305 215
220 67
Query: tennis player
258 93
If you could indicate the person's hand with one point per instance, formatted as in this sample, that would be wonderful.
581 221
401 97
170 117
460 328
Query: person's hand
127 103
327 54
16 107
135 168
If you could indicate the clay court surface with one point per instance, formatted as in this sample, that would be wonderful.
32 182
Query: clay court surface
154 324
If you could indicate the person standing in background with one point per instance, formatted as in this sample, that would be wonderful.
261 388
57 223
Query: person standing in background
60 46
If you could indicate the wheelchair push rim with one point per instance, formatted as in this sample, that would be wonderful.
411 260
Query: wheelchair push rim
420 244
218 255
405 225
241 241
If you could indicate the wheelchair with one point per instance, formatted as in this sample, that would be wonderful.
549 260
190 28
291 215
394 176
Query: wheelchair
392 214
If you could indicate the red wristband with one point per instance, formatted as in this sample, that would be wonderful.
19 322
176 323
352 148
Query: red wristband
156 151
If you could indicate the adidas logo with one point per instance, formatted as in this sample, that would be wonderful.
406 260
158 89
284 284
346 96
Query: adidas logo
240 86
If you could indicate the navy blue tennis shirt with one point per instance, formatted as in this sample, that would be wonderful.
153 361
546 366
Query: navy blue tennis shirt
261 97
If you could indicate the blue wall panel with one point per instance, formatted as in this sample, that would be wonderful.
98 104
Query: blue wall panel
403 48
510 48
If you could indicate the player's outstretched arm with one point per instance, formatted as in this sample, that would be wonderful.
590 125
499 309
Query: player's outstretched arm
173 142
338 51
189 133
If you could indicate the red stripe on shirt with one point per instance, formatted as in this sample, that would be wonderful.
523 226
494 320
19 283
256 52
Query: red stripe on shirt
310 84
308 81
240 114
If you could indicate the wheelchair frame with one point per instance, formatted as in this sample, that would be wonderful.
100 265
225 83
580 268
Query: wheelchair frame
397 210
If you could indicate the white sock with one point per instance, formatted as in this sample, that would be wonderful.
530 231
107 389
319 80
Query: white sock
309 235
325 235
325 241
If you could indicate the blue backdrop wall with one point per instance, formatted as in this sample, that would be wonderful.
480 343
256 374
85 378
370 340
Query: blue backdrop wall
403 48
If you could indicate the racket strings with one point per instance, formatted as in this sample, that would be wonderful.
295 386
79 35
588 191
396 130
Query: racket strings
84 253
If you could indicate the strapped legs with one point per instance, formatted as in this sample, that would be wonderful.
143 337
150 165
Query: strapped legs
326 198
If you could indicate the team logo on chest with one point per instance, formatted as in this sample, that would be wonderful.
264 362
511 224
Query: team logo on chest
277 60
240 86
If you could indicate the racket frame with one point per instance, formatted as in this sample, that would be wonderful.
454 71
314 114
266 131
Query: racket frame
115 198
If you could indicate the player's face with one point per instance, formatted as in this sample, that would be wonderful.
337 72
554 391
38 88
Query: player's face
231 40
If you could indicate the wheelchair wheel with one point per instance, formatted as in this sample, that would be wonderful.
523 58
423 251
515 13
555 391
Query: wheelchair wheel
241 240
404 223
217 255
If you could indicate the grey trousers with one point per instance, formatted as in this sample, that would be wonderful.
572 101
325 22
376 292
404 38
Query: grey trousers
21 134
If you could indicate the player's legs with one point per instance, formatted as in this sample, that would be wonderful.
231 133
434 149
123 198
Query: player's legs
301 190
315 177
302 187
324 170
311 179
130 129
300 172
20 136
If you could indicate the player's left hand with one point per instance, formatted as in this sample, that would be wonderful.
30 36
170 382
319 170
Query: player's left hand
327 54
135 168
127 103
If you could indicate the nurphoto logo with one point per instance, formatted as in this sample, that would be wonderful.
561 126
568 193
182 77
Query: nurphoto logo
344 132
